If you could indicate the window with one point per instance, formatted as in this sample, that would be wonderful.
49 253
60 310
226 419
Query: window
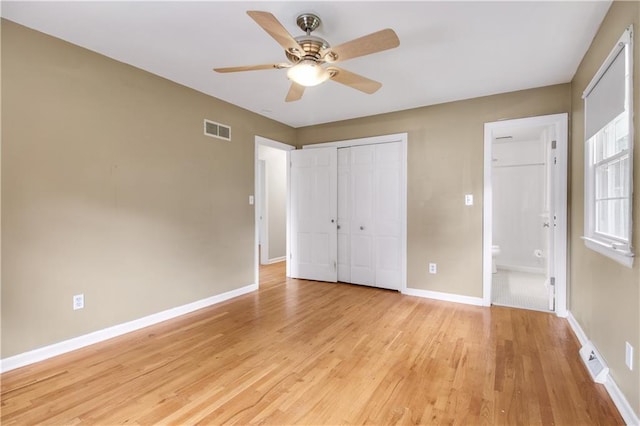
609 154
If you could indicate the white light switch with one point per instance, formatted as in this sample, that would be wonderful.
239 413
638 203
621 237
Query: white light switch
468 199
251 199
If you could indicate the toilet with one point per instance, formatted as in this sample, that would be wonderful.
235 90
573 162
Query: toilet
495 250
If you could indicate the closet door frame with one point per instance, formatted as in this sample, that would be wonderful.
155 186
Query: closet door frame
402 139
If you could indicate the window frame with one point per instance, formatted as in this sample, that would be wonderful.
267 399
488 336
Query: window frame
614 247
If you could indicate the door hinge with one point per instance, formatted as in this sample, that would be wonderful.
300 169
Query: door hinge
553 144
552 281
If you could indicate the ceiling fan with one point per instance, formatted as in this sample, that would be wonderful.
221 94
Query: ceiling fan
307 54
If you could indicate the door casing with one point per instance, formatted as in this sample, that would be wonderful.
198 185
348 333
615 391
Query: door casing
560 123
259 140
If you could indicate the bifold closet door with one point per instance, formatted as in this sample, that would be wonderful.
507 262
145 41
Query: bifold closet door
387 217
313 204
374 220
344 219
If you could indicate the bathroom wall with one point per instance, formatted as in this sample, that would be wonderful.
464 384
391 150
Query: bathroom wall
519 204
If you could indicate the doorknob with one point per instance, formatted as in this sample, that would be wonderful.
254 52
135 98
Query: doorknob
362 228
333 221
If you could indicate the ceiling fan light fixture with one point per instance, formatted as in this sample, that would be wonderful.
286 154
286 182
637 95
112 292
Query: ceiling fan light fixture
308 73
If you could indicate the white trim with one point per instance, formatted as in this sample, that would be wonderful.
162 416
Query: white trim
261 141
620 401
577 330
401 138
592 239
447 297
560 121
276 260
396 137
623 257
66 346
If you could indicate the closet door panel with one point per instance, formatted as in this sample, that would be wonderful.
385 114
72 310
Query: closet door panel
313 214
344 216
388 221
362 215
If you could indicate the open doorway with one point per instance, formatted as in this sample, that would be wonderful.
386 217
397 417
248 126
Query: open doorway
271 188
525 199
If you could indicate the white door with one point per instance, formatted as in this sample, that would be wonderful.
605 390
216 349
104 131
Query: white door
376 222
388 215
550 222
344 216
313 214
362 215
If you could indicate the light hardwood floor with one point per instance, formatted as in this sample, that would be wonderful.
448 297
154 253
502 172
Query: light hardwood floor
302 352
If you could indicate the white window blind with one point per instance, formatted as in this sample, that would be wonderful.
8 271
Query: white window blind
605 100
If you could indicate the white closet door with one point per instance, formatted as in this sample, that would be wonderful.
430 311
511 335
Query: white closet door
388 220
362 215
313 204
344 217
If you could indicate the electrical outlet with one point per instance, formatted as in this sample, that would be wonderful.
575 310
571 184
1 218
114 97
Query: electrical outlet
78 301
433 268
628 355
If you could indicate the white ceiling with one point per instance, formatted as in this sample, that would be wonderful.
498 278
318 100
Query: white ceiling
448 50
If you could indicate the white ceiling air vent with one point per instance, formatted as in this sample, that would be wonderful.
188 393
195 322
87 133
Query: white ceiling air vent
217 130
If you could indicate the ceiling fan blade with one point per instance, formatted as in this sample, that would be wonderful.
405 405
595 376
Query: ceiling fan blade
253 67
366 45
271 25
295 92
354 80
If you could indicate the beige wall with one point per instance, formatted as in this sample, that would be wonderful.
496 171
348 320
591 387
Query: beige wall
605 296
445 161
110 189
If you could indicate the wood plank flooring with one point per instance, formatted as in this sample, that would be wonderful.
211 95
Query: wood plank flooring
302 352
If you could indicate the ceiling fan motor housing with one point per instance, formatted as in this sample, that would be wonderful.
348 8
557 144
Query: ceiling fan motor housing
311 45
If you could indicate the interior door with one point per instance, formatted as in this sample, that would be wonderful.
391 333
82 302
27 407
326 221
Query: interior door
388 220
362 215
550 223
344 216
376 222
313 214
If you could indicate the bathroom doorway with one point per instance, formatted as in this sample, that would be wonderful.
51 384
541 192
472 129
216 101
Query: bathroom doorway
525 213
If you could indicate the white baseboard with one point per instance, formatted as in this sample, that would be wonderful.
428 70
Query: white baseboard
447 297
65 346
277 260
626 411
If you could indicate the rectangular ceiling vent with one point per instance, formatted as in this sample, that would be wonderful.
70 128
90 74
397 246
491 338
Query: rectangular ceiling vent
217 130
